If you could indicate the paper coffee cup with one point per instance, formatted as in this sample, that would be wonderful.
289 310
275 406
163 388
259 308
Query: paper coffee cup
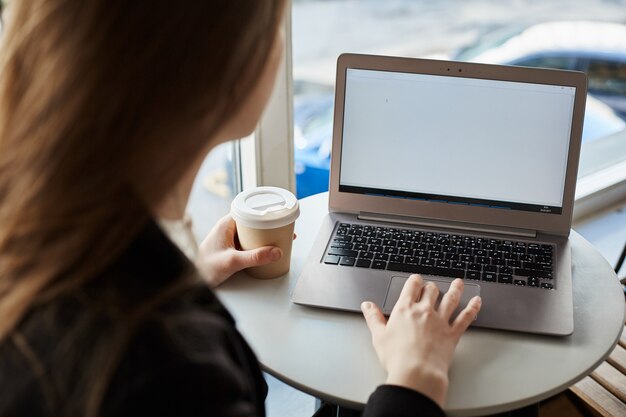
265 216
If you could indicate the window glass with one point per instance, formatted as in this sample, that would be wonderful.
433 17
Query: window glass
213 189
502 32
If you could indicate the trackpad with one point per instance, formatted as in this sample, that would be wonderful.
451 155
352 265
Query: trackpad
395 287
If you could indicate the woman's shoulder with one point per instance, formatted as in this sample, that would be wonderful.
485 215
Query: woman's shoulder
145 331
185 357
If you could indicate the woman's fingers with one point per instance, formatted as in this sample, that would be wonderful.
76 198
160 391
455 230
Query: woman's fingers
411 291
254 257
451 298
373 317
430 293
467 315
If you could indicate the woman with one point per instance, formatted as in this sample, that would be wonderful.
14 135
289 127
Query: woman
107 108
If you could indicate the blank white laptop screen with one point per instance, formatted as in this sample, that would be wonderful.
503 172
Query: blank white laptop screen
459 140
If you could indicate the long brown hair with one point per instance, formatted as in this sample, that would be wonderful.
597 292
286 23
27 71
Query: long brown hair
102 105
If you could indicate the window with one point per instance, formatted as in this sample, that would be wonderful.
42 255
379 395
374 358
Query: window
506 32
265 158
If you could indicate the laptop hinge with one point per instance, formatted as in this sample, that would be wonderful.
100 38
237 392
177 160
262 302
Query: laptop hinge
467 227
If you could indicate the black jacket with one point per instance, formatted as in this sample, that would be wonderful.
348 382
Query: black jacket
153 342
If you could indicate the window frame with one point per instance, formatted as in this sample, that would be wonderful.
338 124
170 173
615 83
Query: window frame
267 158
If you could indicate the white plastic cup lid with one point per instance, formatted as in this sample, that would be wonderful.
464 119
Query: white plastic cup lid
265 208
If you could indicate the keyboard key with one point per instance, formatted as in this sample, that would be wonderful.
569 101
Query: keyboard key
440 263
490 268
536 266
505 248
379 265
435 248
489 277
506 270
533 282
390 250
341 245
343 252
366 255
511 257
543 259
505 279
514 264
527 258
363 263
472 275
531 273
472 244
347 261
359 246
331 260
547 286
474 267
481 260
427 262
396 266
520 282
381 257
396 258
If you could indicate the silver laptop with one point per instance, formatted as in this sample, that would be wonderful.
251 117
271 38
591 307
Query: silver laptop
451 169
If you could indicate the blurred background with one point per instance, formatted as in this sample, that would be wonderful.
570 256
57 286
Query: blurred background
585 35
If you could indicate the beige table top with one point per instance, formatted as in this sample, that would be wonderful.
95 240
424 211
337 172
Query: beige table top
328 354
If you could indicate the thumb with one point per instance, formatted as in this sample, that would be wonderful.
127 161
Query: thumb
373 317
256 257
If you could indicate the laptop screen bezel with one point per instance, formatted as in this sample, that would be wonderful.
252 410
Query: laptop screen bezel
551 223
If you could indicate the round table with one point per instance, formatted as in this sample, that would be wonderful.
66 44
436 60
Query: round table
329 355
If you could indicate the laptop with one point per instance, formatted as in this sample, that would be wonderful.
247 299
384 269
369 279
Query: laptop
451 169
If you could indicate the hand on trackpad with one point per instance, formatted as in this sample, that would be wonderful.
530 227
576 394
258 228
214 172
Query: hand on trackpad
395 287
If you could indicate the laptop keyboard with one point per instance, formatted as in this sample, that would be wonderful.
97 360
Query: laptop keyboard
510 262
